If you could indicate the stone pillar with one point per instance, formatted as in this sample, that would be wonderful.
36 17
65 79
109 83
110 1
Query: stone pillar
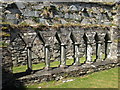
62 55
29 57
107 49
76 54
114 45
47 61
88 53
98 51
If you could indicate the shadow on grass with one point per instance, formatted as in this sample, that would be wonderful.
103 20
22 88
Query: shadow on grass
9 82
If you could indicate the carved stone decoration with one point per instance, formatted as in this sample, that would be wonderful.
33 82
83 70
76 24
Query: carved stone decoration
107 46
98 48
62 43
76 49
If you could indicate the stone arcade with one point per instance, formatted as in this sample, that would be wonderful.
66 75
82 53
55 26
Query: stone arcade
35 43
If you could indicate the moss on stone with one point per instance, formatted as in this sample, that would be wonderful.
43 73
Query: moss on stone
4 28
4 34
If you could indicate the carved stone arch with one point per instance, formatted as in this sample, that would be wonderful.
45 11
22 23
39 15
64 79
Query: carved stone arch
85 38
98 42
97 38
37 50
107 46
107 37
18 49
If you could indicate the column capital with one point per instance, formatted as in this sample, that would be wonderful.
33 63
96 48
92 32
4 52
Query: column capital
89 42
108 41
99 42
46 45
63 44
76 43
29 45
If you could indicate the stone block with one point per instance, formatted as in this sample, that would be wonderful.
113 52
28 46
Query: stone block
29 13
109 14
73 8
10 16
62 21
71 16
66 15
75 16
38 7
85 21
20 5
14 21
107 23
44 21
57 16
14 10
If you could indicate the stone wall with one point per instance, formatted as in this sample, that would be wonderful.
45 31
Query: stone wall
59 12
6 63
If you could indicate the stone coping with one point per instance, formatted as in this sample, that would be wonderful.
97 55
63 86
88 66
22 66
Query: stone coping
60 0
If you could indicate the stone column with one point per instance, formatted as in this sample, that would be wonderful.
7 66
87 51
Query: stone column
47 61
62 55
29 57
88 53
98 51
76 54
114 44
107 49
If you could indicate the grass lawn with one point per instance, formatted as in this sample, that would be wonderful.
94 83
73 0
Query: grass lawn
103 79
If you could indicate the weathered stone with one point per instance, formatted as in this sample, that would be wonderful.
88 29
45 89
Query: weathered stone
44 21
107 23
29 13
66 15
75 16
14 21
71 16
28 21
73 7
57 16
20 5
109 14
38 7
85 21
62 21
10 16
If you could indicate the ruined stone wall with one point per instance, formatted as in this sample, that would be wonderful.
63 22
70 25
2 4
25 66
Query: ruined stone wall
80 18
59 12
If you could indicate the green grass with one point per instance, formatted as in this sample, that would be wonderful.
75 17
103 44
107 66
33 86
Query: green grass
52 64
42 65
103 79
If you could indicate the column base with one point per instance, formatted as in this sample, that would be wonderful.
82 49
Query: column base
76 64
107 59
88 62
111 58
47 68
29 71
97 60
63 66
